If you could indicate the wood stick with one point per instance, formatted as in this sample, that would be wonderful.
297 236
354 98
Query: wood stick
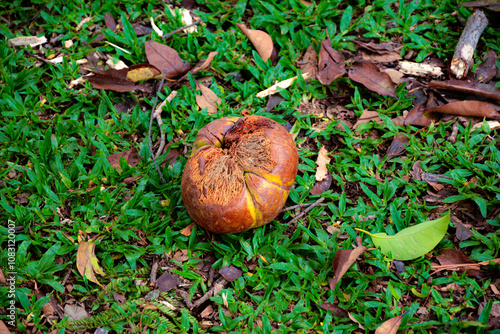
151 128
309 208
462 58
181 28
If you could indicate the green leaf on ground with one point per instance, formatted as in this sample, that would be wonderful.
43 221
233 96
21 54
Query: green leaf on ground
412 242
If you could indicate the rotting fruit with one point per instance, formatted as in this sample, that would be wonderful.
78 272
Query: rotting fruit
239 173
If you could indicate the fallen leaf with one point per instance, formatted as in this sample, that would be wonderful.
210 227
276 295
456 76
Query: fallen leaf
336 310
384 48
462 232
166 58
87 263
207 312
141 30
3 328
390 326
110 21
398 146
367 117
116 80
381 58
493 5
207 99
119 298
2 277
356 321
321 162
394 74
372 78
273 101
142 72
75 312
262 42
323 185
131 156
494 125
230 273
411 242
343 260
171 156
454 257
167 282
202 65
467 87
469 108
309 62
186 231
27 40
47 309
181 256
420 116
283 85
331 64
488 68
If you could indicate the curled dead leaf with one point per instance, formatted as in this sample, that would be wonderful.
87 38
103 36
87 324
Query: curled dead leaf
390 326
469 108
262 42
331 63
342 261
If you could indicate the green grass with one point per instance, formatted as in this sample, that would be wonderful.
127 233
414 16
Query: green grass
58 187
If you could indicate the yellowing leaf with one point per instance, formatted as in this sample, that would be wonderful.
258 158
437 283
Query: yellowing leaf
323 159
87 263
142 72
412 242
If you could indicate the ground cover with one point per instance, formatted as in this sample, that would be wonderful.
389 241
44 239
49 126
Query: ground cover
377 153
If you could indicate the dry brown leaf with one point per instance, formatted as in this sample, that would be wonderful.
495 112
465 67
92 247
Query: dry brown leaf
450 256
207 312
331 64
372 78
166 58
230 273
167 282
420 116
384 48
202 64
322 186
321 162
366 117
336 310
469 108
493 5
87 263
462 86
187 230
398 146
381 58
207 99
487 69
3 328
142 72
342 261
394 74
390 326
131 156
75 312
116 80
110 21
309 62
262 42
2 277
47 309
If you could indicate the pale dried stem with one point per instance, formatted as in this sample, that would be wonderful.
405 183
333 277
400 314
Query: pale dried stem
309 208
181 28
153 113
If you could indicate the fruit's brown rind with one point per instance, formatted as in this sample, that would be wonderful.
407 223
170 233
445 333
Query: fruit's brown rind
239 174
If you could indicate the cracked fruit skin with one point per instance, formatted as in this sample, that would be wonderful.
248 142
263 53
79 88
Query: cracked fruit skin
239 173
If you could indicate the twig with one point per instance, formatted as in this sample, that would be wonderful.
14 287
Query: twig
158 111
221 281
462 58
180 29
152 276
66 277
295 206
463 266
309 208
153 113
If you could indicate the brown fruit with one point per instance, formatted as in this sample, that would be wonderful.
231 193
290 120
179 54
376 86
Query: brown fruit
239 173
